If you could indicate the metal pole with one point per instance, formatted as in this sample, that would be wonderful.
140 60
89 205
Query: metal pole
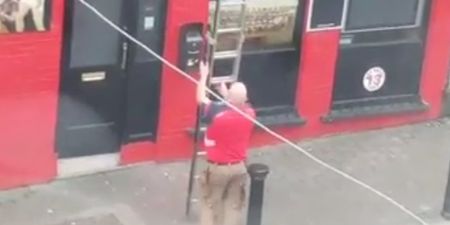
205 55
446 210
194 161
258 174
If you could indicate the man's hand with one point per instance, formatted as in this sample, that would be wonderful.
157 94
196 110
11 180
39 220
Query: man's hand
201 88
222 89
204 70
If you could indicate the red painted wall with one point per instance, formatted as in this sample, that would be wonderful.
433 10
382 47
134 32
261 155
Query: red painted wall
29 68
29 72
316 79
314 95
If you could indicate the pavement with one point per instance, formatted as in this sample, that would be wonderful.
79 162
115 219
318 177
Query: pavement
408 163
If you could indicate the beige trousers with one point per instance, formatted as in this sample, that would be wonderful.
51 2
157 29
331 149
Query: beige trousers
3 28
223 194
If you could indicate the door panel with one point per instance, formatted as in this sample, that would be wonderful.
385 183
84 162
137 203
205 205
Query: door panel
110 87
144 71
93 42
92 89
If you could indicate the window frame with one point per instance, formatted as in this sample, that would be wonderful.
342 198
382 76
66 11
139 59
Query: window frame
310 11
299 21
418 20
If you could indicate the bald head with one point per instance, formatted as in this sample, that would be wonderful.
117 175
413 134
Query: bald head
237 94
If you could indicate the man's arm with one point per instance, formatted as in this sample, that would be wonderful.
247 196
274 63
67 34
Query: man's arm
223 90
201 87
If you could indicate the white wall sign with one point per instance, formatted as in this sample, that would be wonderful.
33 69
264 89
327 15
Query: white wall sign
374 79
149 22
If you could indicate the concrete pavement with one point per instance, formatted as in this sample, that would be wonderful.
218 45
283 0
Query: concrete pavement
409 163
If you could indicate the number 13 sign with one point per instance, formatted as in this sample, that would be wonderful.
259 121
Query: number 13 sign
374 79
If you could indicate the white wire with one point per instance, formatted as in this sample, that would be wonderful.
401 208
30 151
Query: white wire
262 126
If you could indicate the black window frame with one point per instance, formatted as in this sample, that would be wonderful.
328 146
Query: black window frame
417 23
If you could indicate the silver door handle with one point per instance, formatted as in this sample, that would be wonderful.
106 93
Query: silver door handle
124 55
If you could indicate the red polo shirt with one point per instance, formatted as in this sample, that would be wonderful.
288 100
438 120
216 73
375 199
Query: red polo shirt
228 135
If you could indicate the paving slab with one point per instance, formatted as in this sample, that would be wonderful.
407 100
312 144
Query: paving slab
408 163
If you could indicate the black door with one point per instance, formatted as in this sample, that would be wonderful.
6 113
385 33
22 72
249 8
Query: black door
105 79
144 70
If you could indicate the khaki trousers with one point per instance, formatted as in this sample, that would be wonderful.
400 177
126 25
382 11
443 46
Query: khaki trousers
223 194
3 28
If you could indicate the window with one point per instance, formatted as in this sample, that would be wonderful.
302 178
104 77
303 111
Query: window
94 42
325 14
268 24
366 15
24 16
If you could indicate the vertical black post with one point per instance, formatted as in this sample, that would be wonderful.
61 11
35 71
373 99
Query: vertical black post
258 174
204 57
446 210
197 136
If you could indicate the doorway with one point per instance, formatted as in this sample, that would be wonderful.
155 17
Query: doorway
110 88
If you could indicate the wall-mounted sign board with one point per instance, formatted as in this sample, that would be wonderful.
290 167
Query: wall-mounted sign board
325 14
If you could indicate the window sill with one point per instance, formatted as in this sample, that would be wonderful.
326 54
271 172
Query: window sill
282 120
375 111
381 44
270 117
263 51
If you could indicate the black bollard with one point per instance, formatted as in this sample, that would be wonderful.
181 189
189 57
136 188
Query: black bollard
258 174
446 211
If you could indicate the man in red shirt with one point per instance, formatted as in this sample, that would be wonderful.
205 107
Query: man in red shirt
226 141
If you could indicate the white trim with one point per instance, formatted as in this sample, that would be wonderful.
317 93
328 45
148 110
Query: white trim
418 22
87 165
309 19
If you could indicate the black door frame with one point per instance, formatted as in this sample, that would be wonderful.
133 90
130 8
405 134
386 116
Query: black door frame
446 96
129 24
150 75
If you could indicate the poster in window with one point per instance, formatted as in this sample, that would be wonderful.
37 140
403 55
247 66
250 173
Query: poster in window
267 23
17 16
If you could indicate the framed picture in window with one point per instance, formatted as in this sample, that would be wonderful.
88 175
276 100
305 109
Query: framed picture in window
18 16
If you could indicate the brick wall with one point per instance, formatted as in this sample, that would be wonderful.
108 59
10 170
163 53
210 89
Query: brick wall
29 80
